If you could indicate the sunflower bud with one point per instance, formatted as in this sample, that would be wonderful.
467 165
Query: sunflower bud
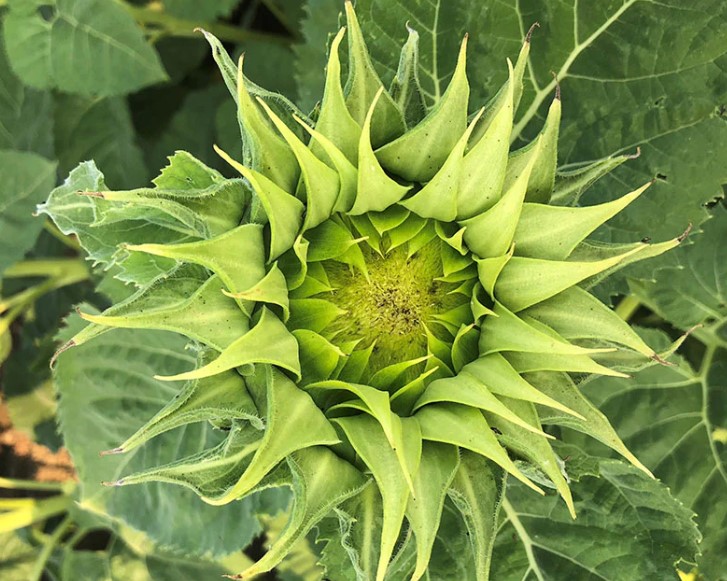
386 310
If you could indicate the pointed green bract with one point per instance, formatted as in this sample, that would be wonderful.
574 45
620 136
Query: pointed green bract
502 379
561 387
465 427
320 181
553 232
220 255
483 168
438 466
375 191
363 85
542 153
528 281
272 290
220 398
569 185
477 492
508 332
533 447
369 441
419 154
467 390
335 122
207 316
284 212
267 342
439 199
491 233
289 411
321 481
577 314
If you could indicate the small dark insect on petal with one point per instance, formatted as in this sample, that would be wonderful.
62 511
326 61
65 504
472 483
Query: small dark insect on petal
497 431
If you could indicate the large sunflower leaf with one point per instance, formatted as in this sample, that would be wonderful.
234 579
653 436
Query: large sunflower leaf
25 114
695 292
98 129
26 179
106 392
675 420
628 528
94 36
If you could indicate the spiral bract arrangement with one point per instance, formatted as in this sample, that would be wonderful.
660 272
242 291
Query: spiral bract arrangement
388 304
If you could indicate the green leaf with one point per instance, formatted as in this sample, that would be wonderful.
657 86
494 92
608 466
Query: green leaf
107 390
98 129
368 439
641 534
196 10
191 128
672 418
25 114
145 563
438 467
97 37
693 293
438 46
477 492
320 21
78 214
321 481
26 180
617 92
17 557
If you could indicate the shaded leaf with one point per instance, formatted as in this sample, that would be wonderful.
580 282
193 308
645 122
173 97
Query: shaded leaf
97 37
26 179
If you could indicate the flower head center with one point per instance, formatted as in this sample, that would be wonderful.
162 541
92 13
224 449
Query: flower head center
394 305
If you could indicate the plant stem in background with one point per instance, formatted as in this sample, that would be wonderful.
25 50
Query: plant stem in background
48 547
163 24
627 307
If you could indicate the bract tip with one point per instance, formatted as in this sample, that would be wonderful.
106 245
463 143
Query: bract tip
60 350
634 155
529 34
557 85
111 452
683 236
114 483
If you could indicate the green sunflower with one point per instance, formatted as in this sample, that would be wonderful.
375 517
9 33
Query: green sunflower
387 304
